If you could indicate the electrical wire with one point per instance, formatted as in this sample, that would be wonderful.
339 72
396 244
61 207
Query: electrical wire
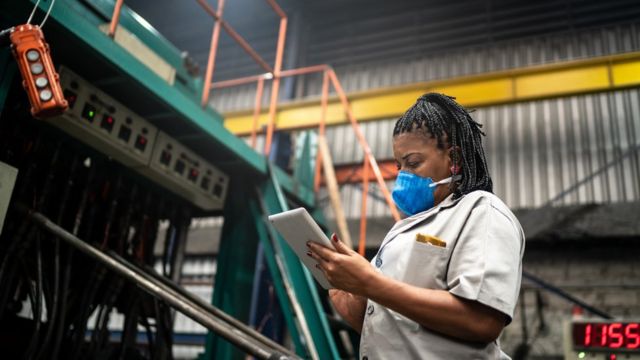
46 15
48 12
33 12
37 317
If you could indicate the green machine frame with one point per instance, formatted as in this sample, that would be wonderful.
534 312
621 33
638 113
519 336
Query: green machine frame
257 187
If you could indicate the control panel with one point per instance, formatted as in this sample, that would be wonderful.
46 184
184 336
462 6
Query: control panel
187 172
100 121
602 339
103 123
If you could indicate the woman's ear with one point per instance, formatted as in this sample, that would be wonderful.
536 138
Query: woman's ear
456 160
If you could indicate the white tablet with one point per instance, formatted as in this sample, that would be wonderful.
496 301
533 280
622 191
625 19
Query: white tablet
297 227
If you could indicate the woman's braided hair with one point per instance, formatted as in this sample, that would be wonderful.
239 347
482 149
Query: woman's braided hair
437 115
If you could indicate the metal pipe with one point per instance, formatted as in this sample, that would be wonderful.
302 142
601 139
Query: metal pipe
115 18
304 70
240 81
239 39
268 76
151 274
256 111
363 211
275 86
277 8
213 49
154 288
363 143
321 129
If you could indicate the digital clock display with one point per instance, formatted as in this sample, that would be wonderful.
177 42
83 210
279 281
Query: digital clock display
607 336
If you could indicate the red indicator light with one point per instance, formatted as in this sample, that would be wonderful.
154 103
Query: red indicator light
193 174
612 357
142 140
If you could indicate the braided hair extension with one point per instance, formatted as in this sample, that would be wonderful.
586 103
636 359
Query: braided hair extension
440 116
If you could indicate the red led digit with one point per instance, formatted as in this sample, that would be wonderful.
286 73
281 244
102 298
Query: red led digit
587 335
615 335
632 334
603 334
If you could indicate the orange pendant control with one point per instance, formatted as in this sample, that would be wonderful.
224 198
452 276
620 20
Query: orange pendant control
39 77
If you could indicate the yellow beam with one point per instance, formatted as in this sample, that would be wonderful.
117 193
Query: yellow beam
559 79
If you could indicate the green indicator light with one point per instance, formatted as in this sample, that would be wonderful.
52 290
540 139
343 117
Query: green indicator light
91 113
581 355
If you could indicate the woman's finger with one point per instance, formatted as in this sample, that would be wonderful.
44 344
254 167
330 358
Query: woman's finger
339 245
323 252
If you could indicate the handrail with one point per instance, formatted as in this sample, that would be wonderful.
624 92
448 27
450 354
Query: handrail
329 78
275 73
238 334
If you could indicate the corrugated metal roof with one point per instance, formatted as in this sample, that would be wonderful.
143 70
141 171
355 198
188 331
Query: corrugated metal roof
475 59
343 32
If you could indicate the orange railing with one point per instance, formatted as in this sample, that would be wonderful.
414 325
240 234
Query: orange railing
275 74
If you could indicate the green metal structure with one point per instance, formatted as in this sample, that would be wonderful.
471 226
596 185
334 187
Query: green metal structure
257 189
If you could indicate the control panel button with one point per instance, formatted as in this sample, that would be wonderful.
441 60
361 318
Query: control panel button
107 123
71 98
45 95
33 55
165 158
36 68
217 190
179 167
89 112
125 133
141 143
42 82
193 175
204 184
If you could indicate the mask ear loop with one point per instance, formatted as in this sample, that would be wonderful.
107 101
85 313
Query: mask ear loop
450 179
455 169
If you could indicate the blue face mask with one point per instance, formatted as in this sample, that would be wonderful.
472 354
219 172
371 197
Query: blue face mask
413 194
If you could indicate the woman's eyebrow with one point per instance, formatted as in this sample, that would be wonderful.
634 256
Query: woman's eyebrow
409 154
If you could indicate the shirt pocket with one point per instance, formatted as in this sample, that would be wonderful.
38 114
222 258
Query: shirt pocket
425 265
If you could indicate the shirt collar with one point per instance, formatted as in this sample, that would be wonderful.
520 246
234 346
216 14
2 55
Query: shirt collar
413 220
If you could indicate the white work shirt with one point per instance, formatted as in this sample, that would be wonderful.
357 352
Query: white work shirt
471 247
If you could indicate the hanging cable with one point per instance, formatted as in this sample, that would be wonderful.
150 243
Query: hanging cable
33 12
47 15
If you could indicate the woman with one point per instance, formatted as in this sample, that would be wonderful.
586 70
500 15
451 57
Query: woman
446 279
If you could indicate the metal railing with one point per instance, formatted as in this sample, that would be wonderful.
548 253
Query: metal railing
206 315
275 74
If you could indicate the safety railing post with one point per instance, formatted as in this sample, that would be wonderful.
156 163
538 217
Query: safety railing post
321 128
363 143
115 18
215 35
256 111
363 210
275 85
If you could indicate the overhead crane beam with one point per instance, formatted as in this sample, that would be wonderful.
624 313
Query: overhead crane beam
604 73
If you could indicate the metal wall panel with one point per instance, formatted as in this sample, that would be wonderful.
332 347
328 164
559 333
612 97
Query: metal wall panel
481 59
467 61
564 151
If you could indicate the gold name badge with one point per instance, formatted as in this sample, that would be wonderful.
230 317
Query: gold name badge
430 239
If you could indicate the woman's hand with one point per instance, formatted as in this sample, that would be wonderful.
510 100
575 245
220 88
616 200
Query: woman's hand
350 307
344 268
